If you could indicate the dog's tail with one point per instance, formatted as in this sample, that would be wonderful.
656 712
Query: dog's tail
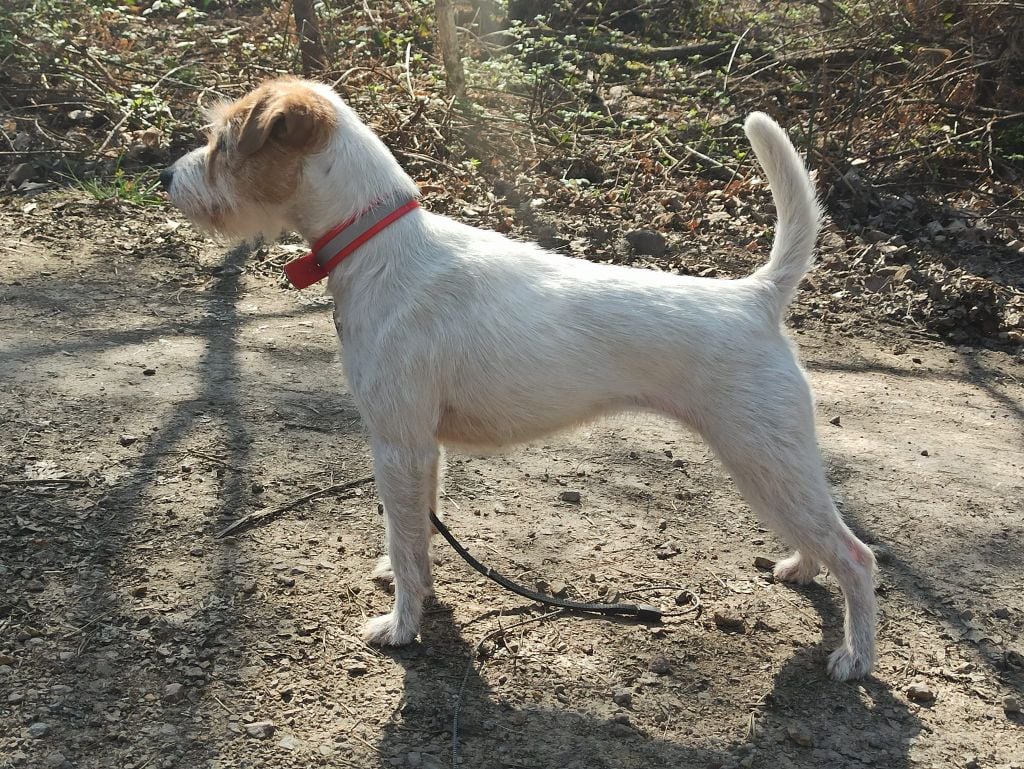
795 203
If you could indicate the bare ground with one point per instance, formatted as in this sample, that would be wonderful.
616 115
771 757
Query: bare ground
179 386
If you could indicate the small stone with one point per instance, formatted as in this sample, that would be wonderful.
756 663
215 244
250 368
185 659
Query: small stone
662 524
623 698
729 622
174 692
559 589
260 729
837 421
54 760
289 743
15 698
285 581
19 174
248 586
414 759
649 242
972 763
168 730
257 488
920 693
104 669
1011 705
801 735
1001 613
127 440
924 452
760 562
357 668
38 730
678 463
570 496
149 372
660 665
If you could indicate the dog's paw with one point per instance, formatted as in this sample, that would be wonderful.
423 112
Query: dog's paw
796 569
387 630
844 664
382 571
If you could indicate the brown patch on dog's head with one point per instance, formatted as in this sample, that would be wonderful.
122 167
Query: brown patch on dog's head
285 112
261 139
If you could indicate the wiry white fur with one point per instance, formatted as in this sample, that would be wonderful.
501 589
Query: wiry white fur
455 335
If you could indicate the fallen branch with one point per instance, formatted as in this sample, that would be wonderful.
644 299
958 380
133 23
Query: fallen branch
43 481
265 516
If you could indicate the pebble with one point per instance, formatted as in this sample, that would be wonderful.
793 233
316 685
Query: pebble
127 440
570 496
648 242
729 622
38 729
623 697
1001 613
260 729
54 760
678 463
801 735
1011 704
920 693
414 759
760 562
15 697
660 665
289 743
174 692
104 669
357 668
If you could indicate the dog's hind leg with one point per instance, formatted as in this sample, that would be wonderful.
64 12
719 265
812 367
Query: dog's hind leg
767 443
407 483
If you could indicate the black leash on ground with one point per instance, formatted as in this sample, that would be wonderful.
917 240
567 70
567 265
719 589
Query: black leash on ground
644 612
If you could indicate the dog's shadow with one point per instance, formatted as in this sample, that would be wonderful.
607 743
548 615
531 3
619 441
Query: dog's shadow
805 721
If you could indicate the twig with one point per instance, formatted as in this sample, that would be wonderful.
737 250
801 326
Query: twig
264 516
215 460
732 56
43 481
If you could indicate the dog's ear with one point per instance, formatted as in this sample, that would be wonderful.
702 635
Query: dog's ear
294 117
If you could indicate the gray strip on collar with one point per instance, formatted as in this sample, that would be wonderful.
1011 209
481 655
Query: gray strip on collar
348 236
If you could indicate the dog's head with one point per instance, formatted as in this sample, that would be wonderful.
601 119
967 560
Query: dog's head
247 179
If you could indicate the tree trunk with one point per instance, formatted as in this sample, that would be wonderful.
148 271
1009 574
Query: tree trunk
308 28
448 38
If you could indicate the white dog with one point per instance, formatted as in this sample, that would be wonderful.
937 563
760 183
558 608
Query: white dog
455 335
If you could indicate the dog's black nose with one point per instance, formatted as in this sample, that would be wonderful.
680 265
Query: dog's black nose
166 177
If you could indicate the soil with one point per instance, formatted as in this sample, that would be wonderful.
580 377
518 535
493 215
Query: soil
156 387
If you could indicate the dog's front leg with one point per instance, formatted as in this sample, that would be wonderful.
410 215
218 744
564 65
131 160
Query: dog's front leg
407 482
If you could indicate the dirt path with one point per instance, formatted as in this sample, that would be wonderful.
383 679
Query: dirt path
181 387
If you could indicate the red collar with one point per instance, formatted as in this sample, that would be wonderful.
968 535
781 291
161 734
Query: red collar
328 252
